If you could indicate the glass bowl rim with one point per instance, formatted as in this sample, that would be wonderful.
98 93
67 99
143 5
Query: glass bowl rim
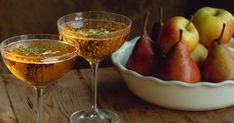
128 27
71 55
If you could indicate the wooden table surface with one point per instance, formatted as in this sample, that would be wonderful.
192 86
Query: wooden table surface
73 92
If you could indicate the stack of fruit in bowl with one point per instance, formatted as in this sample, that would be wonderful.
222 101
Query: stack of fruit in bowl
184 64
188 50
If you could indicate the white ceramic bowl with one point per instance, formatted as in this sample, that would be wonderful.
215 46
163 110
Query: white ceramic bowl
177 95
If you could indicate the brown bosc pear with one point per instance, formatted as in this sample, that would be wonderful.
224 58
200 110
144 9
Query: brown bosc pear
157 26
219 65
179 65
145 58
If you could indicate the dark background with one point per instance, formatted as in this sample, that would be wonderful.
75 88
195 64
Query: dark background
40 16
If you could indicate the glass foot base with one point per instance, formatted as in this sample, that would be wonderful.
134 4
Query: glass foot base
94 116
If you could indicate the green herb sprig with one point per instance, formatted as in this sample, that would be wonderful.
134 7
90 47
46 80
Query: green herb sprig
92 32
28 51
34 51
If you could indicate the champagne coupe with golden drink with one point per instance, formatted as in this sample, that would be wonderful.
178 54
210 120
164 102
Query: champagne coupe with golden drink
38 59
98 34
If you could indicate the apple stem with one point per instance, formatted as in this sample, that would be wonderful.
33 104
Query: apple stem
144 28
221 35
161 16
181 34
189 21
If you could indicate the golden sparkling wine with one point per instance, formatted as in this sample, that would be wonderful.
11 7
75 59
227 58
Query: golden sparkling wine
94 37
39 62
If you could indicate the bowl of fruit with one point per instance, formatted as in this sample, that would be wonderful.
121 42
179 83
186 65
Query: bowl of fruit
188 66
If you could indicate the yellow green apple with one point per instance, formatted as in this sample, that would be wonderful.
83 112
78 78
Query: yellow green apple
232 49
169 35
209 22
199 54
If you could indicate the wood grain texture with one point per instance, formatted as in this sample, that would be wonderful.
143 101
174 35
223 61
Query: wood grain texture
7 114
114 95
59 101
73 92
66 97
19 96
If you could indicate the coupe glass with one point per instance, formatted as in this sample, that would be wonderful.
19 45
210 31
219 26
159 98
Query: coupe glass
38 59
98 34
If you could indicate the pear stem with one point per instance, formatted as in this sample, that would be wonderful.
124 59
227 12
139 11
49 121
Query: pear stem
181 34
144 28
161 16
189 21
221 35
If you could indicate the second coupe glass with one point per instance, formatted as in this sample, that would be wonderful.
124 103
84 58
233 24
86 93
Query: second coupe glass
98 34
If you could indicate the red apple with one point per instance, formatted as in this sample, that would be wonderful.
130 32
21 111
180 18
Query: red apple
209 22
169 34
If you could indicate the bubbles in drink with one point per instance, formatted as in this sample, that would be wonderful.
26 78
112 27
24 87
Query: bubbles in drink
39 61
95 38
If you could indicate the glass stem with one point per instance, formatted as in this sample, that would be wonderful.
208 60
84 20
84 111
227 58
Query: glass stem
94 68
40 92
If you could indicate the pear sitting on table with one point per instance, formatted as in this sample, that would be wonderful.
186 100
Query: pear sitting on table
219 65
179 65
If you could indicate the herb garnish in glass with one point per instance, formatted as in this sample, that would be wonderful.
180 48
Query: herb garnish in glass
98 35
38 59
